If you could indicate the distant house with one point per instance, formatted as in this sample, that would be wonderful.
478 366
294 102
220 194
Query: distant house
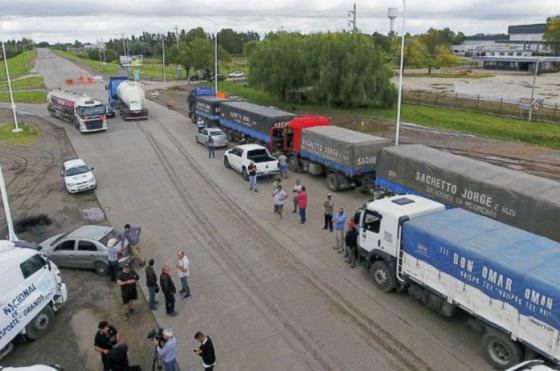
531 36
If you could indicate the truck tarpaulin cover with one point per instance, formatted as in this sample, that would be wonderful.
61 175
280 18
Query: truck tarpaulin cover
351 149
253 120
208 105
515 198
504 262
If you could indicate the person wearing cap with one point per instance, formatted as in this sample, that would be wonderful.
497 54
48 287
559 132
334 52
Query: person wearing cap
328 207
113 258
127 282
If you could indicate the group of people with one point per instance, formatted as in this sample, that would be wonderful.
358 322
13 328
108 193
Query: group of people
346 233
114 351
299 199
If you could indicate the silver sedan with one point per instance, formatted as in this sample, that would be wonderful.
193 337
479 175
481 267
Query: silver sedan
220 138
85 247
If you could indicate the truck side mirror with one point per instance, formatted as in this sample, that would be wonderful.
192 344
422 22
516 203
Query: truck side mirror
91 168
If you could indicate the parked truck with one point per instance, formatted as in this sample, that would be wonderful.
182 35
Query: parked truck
348 158
128 97
512 197
451 259
203 103
84 112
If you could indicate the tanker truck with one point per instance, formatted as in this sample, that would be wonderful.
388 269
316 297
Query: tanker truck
85 113
128 97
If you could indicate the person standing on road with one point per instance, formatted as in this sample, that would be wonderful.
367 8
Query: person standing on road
167 350
132 235
295 190
302 204
351 240
113 258
283 166
183 266
117 356
205 351
339 225
199 124
328 208
275 184
252 169
105 338
151 283
168 290
127 282
210 146
279 197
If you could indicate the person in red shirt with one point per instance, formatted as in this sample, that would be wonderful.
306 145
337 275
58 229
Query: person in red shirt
302 204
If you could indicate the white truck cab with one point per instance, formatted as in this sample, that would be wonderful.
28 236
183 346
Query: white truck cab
31 291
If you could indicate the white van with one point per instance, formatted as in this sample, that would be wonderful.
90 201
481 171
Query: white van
31 291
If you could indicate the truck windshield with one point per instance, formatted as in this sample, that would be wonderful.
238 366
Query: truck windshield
77 170
91 111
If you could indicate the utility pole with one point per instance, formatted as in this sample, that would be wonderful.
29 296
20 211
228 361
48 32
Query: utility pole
4 193
16 128
163 54
533 90
352 20
401 70
177 36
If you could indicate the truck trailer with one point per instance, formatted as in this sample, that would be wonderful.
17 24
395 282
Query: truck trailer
128 97
85 113
348 158
505 278
512 197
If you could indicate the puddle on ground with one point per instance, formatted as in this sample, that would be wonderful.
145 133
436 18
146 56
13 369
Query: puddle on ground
93 214
82 323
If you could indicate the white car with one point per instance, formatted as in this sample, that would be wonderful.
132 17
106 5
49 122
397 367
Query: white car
236 75
33 368
220 138
78 177
241 156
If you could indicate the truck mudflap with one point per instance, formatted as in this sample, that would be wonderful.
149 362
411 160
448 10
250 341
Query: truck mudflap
126 114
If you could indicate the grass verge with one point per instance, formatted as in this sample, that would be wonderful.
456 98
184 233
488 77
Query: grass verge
19 65
25 97
490 126
26 137
31 82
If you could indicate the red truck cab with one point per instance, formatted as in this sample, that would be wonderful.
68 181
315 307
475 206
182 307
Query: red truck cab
287 138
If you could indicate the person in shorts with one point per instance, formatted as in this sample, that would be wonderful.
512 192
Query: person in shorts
283 166
129 292
279 196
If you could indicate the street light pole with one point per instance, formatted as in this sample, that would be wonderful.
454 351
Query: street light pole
163 56
399 99
215 53
533 90
4 193
16 128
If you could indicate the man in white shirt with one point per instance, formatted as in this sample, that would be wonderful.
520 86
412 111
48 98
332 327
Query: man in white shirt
279 196
295 190
183 273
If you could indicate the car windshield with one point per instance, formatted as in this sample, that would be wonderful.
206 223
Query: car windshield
91 111
113 233
216 132
77 170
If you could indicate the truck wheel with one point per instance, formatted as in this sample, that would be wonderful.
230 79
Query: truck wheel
382 276
40 324
501 351
332 182
294 165
226 163
244 174
101 268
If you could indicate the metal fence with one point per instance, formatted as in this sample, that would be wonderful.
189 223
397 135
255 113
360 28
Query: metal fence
496 106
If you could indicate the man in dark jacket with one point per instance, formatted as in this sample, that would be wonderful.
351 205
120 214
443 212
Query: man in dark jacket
151 283
105 339
205 351
117 356
168 290
351 241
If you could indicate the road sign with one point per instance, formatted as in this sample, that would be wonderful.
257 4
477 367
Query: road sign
536 104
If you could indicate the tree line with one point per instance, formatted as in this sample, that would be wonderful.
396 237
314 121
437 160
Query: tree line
16 47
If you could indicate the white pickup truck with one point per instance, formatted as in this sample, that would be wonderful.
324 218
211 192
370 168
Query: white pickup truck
240 157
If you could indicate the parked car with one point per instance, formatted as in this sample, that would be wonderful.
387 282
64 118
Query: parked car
34 368
194 78
220 138
237 75
240 157
78 177
220 77
85 247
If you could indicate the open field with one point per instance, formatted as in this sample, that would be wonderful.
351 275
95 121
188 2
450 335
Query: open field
25 96
28 82
19 65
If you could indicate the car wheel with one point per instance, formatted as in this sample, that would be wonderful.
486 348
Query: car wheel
226 163
501 351
101 268
382 276
40 324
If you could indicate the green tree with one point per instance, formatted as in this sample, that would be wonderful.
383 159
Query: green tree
415 52
431 40
445 58
552 34
201 53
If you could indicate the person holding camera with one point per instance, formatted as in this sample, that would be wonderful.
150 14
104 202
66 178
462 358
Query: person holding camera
166 347
205 351
127 282
105 339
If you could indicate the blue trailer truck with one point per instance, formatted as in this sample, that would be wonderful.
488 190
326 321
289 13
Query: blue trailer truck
201 102
451 259
127 97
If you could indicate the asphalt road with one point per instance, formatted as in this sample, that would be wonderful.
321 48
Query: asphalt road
272 294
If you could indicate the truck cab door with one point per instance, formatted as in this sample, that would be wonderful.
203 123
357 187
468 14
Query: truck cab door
370 226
